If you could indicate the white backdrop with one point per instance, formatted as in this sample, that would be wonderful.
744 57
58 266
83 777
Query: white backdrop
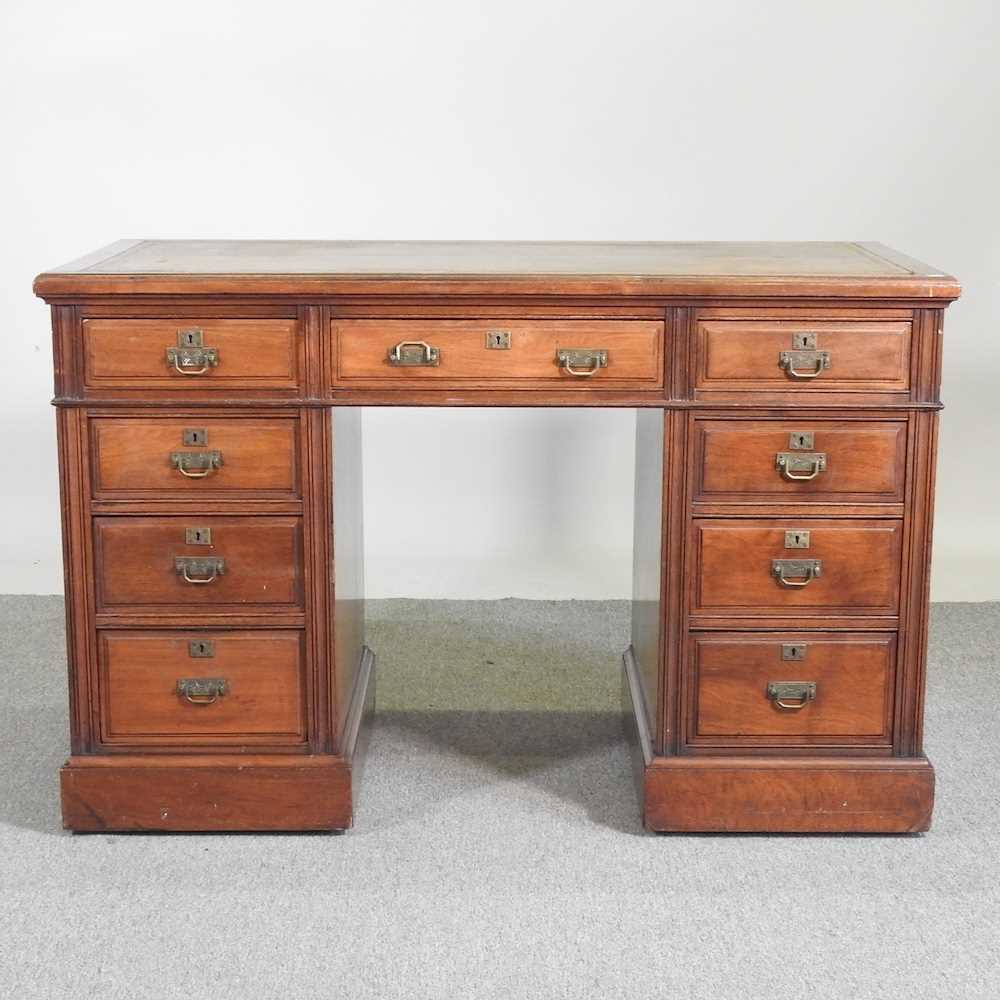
506 120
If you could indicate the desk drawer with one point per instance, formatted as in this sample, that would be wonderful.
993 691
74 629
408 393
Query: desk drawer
202 687
159 561
470 353
801 356
191 354
792 689
786 458
796 567
148 458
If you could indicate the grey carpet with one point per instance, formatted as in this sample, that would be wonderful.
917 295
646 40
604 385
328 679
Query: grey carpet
498 851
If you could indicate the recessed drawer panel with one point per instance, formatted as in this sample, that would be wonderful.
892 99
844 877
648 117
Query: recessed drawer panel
511 353
801 566
803 355
792 688
789 458
191 354
205 562
202 687
194 456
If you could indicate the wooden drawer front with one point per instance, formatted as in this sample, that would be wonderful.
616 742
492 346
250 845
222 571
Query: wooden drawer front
747 354
859 566
852 699
136 561
801 458
139 457
249 690
634 352
132 354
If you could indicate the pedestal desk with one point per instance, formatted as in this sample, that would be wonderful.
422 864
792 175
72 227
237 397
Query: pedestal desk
209 445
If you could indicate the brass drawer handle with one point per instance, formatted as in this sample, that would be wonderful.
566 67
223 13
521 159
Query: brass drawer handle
792 696
191 356
804 364
202 690
796 572
196 464
582 361
199 569
414 354
790 463
192 360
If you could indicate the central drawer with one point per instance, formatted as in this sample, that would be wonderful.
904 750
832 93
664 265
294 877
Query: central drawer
571 353
808 565
202 687
205 562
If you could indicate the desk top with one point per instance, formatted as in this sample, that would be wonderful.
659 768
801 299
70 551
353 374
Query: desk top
307 267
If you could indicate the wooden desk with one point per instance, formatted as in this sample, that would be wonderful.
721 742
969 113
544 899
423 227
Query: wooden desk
209 442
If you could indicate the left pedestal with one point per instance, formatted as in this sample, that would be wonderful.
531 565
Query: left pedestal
217 668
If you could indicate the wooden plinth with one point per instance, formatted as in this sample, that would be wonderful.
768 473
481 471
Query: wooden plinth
786 794
239 792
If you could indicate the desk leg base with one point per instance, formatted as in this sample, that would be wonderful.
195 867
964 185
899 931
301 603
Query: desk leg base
789 794
222 792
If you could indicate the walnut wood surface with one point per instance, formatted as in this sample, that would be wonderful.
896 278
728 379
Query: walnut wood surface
194 793
803 795
736 459
732 566
132 457
693 332
634 349
745 354
252 354
135 562
854 690
647 557
264 701
348 577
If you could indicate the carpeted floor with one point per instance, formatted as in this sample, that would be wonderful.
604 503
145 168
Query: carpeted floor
498 851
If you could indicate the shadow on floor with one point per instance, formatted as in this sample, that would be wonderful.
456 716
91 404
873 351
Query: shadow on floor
420 760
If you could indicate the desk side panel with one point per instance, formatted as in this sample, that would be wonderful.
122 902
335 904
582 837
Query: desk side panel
348 561
647 556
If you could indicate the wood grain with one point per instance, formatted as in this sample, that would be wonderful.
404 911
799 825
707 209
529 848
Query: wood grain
732 566
634 349
647 557
788 795
253 354
132 457
348 579
264 702
206 793
736 459
854 677
744 355
135 562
